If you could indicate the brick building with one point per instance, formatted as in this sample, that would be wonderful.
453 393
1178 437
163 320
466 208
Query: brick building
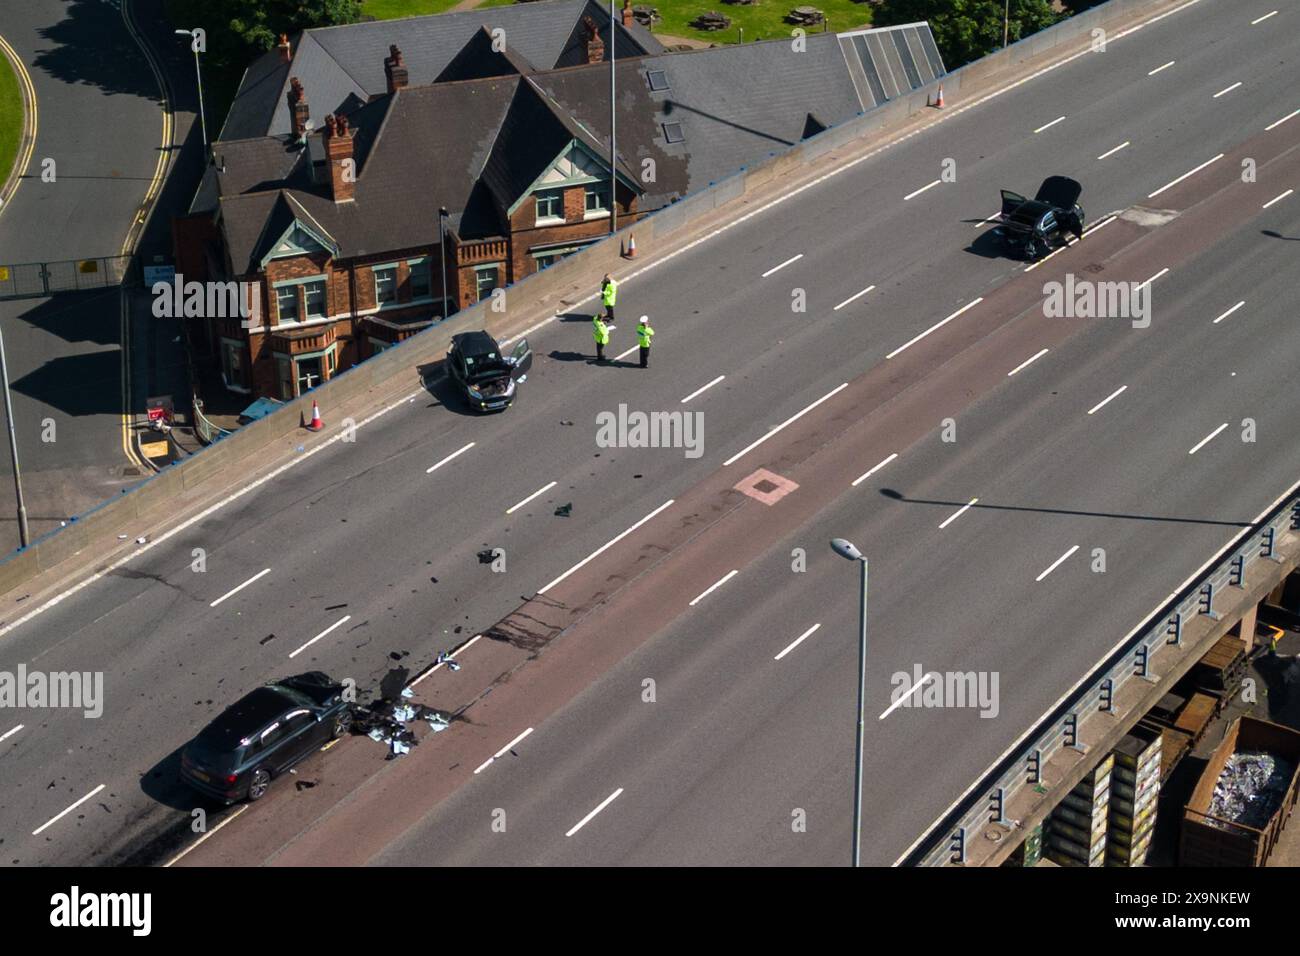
349 170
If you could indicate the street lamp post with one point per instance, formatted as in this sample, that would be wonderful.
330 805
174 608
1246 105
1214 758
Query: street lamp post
442 254
23 538
845 549
198 74
1006 22
613 168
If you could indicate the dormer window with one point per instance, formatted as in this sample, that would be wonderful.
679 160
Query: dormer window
550 206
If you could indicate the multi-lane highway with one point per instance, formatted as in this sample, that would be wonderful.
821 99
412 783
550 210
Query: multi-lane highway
1068 435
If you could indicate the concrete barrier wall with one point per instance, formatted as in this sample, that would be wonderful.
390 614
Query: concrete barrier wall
567 280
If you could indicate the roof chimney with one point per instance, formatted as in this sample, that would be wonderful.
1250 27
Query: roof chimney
595 46
286 51
628 17
299 113
338 153
395 70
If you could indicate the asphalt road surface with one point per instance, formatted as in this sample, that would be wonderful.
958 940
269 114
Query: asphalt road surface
737 746
96 156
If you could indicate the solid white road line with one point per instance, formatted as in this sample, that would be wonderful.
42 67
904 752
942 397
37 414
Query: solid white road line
1159 68
1228 89
1191 172
195 845
259 574
1106 400
903 700
653 264
1049 125
1278 198
1263 18
937 325
454 454
343 620
793 644
922 189
504 750
540 491
1291 115
605 547
9 733
988 219
1112 152
748 448
603 804
454 654
852 298
1207 439
1229 312
623 355
1057 563
782 265
957 514
1097 225
719 583
206 513
1033 358
700 391
867 474
56 819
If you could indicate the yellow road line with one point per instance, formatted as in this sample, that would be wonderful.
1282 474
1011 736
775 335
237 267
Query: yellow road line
29 110
136 229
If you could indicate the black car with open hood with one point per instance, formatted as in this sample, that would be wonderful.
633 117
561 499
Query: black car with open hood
1032 227
485 376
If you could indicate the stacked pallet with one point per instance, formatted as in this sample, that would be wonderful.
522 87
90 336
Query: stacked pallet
1076 833
1135 792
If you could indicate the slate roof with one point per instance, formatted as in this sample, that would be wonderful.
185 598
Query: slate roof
476 145
346 62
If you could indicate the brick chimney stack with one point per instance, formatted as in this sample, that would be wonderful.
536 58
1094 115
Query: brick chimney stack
300 114
338 152
595 46
395 70
628 17
286 51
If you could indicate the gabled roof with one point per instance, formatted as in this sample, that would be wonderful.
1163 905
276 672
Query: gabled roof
478 60
345 64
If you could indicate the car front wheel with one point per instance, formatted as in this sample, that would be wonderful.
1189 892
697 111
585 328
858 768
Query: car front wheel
342 724
258 786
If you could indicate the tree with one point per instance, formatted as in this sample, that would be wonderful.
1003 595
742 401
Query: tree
966 30
256 25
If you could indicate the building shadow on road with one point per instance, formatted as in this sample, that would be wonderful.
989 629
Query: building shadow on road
984 506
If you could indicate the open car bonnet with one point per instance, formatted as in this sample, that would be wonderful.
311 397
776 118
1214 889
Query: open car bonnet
1059 191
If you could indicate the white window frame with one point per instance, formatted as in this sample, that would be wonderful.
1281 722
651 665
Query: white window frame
374 274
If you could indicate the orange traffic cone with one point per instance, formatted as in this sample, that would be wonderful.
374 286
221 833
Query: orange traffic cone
631 246
938 100
315 424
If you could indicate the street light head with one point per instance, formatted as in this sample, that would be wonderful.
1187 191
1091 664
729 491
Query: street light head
845 549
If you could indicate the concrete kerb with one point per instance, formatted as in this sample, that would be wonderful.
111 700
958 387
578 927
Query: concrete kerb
549 288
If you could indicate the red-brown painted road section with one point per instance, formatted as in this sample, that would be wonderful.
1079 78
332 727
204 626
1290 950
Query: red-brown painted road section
535 661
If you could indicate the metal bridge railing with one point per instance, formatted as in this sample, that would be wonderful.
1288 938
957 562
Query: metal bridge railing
207 431
946 842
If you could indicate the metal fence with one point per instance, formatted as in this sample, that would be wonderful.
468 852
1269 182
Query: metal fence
946 842
35 279
207 431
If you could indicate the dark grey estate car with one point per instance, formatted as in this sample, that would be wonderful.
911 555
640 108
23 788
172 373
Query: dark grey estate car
264 734
1032 227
